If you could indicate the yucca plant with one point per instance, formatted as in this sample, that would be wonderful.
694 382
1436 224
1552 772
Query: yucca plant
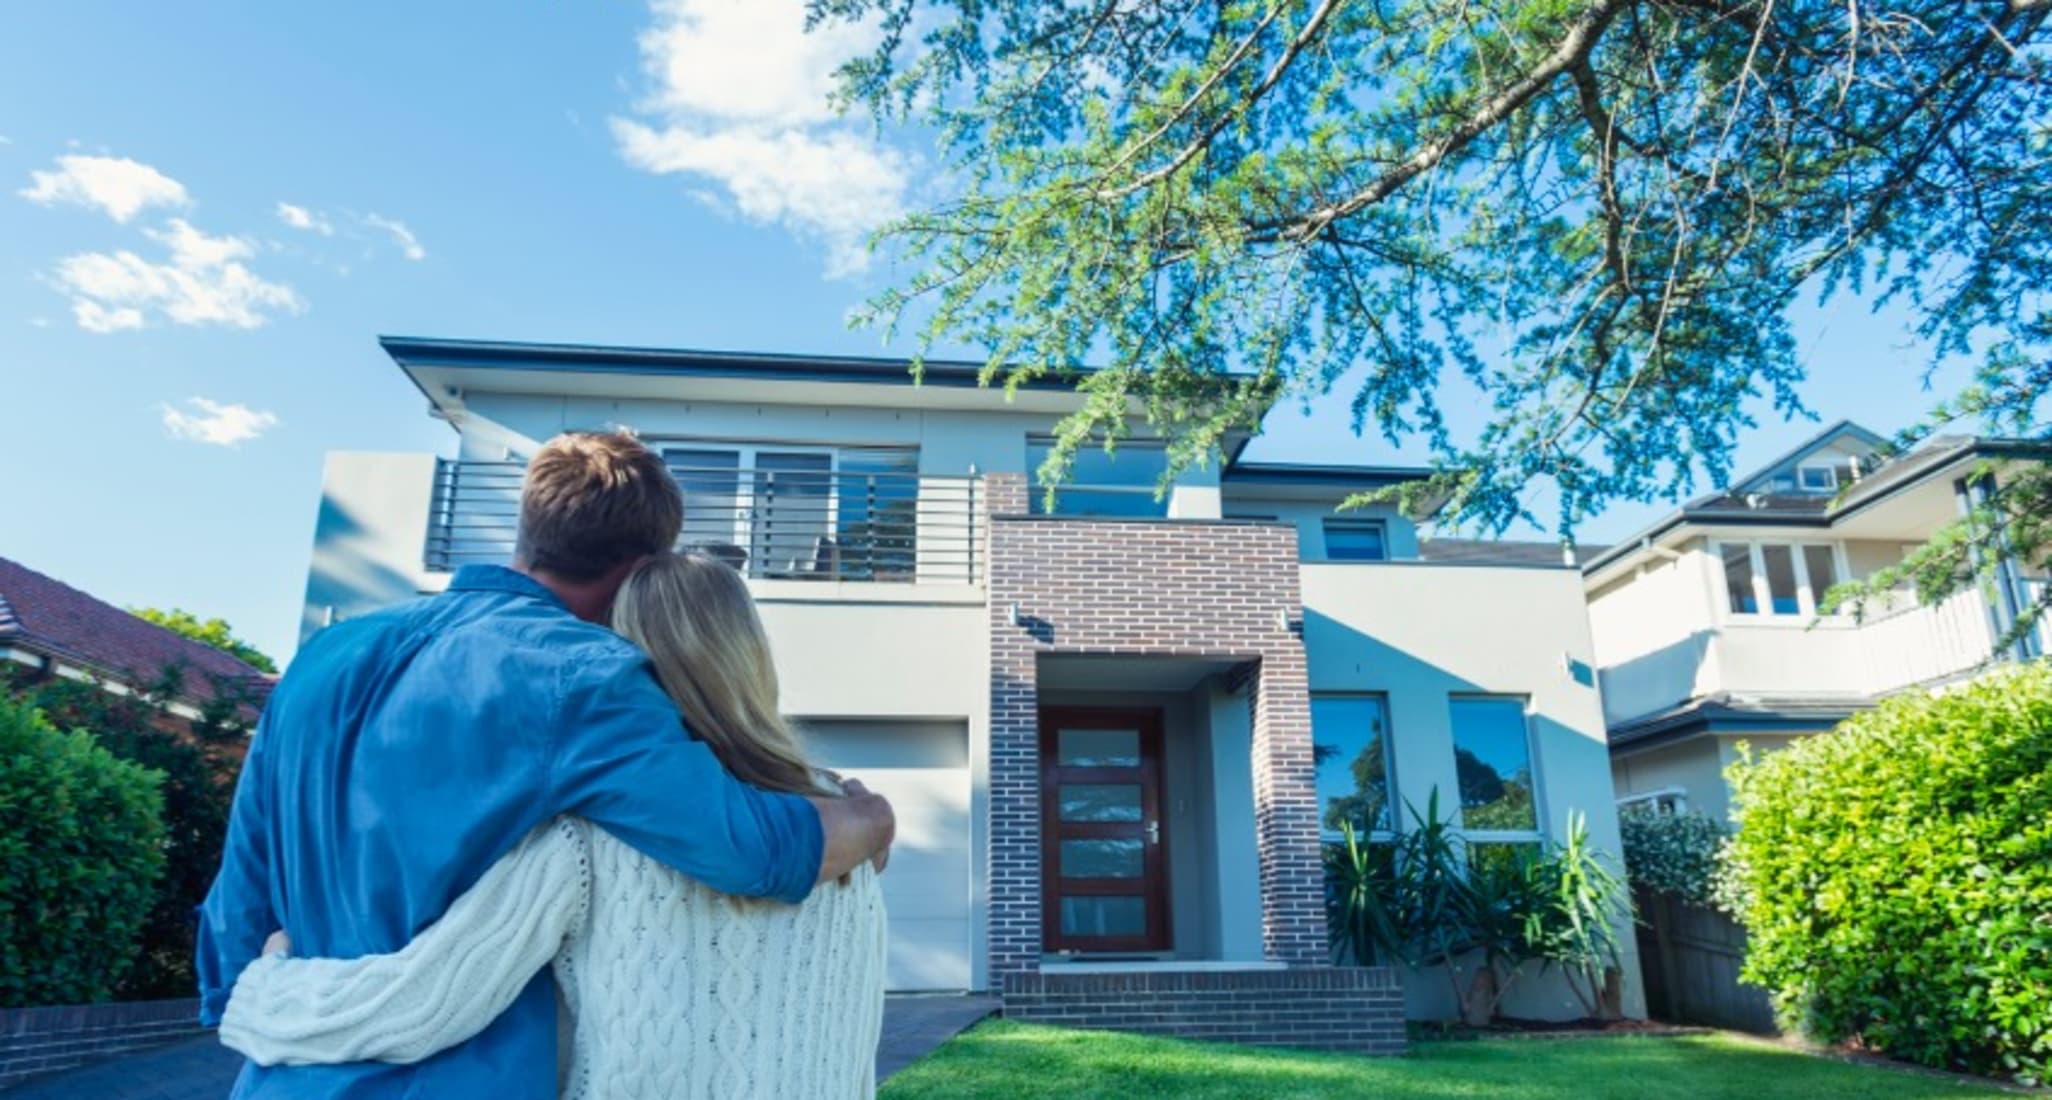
1576 928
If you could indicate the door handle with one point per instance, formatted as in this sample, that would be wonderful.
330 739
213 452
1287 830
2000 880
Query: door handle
1154 832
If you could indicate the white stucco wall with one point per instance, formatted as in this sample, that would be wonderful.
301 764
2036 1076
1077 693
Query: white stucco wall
1655 633
1421 633
370 536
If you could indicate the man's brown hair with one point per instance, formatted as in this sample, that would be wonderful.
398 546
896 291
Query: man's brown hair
593 501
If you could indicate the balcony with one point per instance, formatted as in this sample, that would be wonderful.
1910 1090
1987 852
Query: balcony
871 526
1895 648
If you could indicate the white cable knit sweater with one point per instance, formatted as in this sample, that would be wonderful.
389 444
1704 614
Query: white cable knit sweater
676 990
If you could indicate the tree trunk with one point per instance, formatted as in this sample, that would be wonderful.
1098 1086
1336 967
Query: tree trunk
1478 1008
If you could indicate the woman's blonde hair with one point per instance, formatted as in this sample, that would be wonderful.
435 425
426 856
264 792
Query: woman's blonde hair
694 617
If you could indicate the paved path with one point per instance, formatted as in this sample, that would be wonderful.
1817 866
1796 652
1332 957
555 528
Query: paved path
202 1069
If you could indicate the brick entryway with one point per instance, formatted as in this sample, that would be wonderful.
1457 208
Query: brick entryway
1209 590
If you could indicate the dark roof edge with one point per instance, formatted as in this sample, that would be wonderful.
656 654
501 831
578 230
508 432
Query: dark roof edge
413 351
1284 473
1718 717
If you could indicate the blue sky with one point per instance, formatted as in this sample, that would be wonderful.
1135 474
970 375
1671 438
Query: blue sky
207 215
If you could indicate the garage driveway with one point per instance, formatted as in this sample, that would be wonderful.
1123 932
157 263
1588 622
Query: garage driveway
202 1069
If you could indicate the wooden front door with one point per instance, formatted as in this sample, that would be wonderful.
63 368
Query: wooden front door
1104 851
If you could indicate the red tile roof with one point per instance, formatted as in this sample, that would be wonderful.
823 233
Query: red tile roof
48 616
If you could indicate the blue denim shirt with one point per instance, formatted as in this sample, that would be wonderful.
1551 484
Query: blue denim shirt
406 751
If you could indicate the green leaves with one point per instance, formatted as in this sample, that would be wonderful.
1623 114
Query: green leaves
1554 240
1673 854
213 632
1479 913
81 846
1893 877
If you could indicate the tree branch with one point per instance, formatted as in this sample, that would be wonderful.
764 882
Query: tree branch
1575 46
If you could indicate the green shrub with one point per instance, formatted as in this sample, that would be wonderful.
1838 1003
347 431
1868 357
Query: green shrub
81 845
1895 877
199 759
1672 854
1477 913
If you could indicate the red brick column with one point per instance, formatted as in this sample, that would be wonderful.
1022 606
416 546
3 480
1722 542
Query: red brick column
1014 825
1158 588
1286 813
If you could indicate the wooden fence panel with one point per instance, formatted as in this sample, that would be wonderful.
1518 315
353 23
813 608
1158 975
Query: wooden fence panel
1691 957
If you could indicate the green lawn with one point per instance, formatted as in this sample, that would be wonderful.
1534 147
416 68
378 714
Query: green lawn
1006 1060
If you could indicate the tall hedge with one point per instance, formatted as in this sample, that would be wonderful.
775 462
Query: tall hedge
199 760
1895 877
81 846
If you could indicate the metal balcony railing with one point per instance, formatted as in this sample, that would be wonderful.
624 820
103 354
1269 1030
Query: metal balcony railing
810 525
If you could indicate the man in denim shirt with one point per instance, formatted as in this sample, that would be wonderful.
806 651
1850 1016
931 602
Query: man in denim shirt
409 749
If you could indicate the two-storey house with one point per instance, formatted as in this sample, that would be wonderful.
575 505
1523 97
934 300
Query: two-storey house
1708 624
1117 725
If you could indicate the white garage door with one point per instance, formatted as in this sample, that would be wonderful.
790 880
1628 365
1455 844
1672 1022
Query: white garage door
923 768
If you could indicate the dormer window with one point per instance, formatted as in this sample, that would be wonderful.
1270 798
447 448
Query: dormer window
1828 476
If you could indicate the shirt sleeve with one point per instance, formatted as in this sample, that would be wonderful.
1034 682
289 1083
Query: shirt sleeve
623 761
453 979
237 917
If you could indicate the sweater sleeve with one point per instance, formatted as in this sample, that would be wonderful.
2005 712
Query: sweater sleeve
445 986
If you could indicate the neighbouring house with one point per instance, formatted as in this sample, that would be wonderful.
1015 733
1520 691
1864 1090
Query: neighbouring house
49 628
1116 725
1707 623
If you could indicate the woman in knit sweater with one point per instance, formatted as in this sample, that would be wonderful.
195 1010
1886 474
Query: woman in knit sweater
673 990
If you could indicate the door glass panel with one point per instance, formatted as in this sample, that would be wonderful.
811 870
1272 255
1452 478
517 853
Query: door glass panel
1100 801
1738 576
1822 565
1779 562
1104 916
1114 857
793 503
1098 748
711 483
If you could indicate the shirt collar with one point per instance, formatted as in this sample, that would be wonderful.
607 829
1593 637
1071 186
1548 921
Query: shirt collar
498 578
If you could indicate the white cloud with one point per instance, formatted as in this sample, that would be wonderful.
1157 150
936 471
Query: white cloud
835 185
408 244
216 423
299 217
740 99
203 282
117 186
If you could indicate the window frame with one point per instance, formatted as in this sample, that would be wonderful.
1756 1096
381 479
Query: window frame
1538 834
1804 471
1665 800
1037 493
1807 594
1327 524
1389 770
748 471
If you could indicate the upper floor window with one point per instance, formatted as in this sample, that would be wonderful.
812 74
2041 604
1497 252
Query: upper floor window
1122 483
1665 801
1777 578
1493 765
1356 540
794 511
1350 748
1827 476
